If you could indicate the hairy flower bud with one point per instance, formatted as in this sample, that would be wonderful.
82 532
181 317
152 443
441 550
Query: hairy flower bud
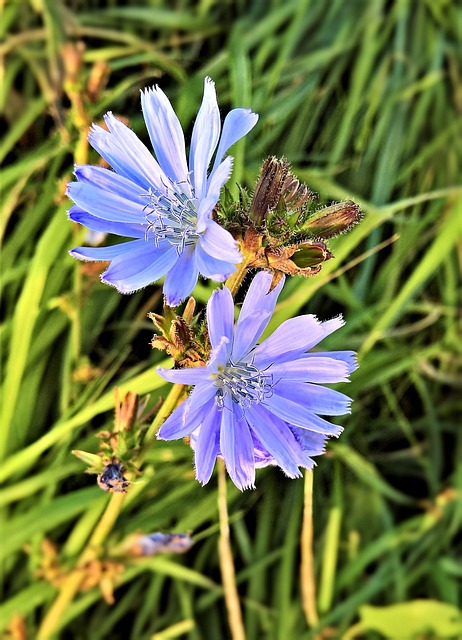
333 220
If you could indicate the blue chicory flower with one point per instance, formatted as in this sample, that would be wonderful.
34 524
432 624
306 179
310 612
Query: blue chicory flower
165 205
257 405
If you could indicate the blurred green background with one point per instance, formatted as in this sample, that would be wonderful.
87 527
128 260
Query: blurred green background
365 99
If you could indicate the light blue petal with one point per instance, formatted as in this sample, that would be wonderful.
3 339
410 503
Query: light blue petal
194 375
203 392
108 180
299 415
348 357
107 253
105 205
125 152
207 204
207 446
275 435
182 278
140 268
209 267
311 368
292 338
76 214
219 243
315 398
204 138
175 426
237 124
220 316
179 426
166 134
236 447
313 443
256 312
219 355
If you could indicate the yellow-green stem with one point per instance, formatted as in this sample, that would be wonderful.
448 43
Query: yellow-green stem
72 583
228 573
235 279
171 401
308 585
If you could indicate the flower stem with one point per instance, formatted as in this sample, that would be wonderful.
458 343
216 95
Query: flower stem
72 583
169 404
235 279
308 584
228 573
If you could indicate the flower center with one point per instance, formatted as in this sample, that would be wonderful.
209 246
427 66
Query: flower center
172 216
246 383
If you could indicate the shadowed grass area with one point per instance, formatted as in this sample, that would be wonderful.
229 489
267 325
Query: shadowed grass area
364 99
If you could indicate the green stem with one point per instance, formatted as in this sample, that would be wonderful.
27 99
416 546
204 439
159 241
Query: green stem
228 573
72 583
308 584
170 403
235 279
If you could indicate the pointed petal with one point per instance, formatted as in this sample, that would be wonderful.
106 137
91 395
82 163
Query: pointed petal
293 338
311 368
203 392
237 124
256 312
108 180
166 134
140 267
217 270
236 447
219 243
207 446
312 443
219 355
185 422
107 253
220 316
125 152
194 375
313 397
348 357
105 205
299 416
204 138
182 278
276 436
215 185
76 214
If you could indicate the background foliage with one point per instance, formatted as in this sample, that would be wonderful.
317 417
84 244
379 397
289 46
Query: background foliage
364 98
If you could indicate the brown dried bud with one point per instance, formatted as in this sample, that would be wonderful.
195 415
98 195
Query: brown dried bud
180 334
72 56
296 195
99 76
268 189
334 220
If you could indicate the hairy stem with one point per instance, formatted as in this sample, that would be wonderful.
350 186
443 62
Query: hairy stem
235 279
228 573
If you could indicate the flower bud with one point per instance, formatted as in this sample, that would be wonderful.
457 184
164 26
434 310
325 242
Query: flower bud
334 220
268 189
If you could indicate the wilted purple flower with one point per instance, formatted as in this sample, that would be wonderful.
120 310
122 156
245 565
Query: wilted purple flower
259 405
165 205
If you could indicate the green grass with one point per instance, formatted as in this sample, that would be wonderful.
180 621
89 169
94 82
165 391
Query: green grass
364 100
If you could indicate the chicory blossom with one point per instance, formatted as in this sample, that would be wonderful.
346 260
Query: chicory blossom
260 404
164 205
